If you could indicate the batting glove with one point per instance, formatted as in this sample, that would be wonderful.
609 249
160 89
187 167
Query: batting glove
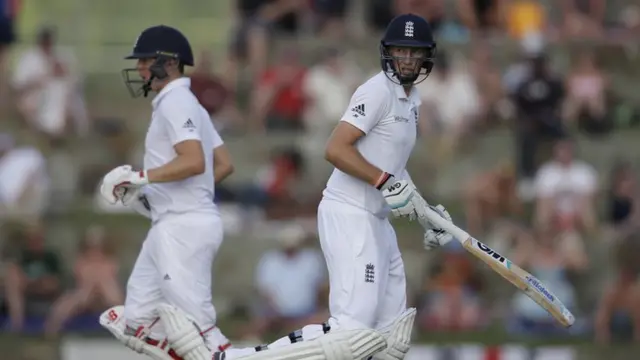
399 196
123 183
436 237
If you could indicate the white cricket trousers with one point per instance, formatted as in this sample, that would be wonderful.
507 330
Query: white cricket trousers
366 271
174 266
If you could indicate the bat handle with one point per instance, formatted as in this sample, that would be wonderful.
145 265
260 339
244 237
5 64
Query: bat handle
432 219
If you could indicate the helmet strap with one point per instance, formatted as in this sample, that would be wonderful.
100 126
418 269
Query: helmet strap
157 71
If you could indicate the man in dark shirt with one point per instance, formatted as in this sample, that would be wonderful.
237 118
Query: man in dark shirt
538 100
33 280
8 12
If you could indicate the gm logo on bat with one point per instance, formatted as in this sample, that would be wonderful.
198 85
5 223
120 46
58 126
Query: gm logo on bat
489 251
536 284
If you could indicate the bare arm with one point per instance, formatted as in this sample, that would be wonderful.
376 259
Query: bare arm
341 149
222 164
588 212
188 162
543 212
342 153
261 101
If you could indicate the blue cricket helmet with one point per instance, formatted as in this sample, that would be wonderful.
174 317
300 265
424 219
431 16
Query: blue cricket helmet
410 31
161 43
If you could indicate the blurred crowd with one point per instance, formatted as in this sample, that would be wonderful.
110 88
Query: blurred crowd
544 205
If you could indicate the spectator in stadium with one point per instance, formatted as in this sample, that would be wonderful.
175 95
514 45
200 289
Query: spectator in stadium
378 15
275 185
8 13
617 317
330 15
629 20
623 197
24 181
550 260
450 100
526 18
491 196
586 103
487 78
33 280
290 281
256 21
214 94
96 279
538 98
277 100
47 87
583 18
327 88
482 17
565 194
450 295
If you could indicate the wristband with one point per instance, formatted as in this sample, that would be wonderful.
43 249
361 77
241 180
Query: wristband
143 177
383 180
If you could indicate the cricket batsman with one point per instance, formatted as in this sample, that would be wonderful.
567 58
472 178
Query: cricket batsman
369 149
184 157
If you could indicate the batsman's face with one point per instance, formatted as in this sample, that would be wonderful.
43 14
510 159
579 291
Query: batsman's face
143 68
408 60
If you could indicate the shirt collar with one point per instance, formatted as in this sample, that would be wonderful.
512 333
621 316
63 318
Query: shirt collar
177 83
401 94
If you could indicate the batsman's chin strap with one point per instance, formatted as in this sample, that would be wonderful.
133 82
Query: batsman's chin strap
146 88
157 71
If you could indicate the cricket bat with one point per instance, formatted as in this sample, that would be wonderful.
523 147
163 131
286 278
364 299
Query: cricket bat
526 282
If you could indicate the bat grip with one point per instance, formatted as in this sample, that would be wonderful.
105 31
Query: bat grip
432 219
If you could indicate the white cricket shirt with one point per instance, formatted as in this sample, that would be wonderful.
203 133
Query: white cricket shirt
389 119
178 116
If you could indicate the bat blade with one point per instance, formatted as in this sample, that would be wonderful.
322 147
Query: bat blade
520 278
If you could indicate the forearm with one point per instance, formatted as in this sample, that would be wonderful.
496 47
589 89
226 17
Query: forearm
543 214
180 168
348 160
260 106
221 172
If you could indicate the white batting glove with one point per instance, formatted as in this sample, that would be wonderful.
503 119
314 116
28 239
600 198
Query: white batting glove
400 195
122 183
436 237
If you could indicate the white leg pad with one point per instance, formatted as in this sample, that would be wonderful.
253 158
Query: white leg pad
113 320
341 345
398 337
182 333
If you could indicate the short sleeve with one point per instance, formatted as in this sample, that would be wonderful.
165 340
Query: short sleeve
545 182
26 70
182 121
367 107
586 180
217 140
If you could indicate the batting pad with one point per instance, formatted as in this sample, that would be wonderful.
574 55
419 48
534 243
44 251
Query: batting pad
182 333
399 337
113 320
340 345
